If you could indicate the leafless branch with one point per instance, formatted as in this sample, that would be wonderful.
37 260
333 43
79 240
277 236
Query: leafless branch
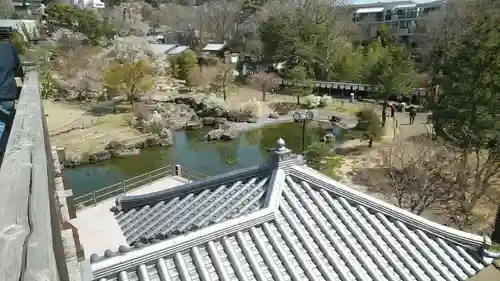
413 174
219 19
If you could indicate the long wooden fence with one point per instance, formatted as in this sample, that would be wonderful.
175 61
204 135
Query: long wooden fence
97 195
30 236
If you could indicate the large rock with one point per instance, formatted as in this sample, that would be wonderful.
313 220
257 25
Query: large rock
213 121
115 147
191 102
176 124
274 115
210 121
166 137
230 133
194 125
99 156
214 134
128 152
238 117
72 160
152 142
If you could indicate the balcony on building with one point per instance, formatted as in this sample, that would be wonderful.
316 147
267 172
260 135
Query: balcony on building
428 8
369 15
409 11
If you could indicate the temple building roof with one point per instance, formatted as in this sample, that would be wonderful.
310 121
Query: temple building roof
281 221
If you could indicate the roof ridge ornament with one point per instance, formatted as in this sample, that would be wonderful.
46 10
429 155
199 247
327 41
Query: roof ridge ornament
281 144
282 158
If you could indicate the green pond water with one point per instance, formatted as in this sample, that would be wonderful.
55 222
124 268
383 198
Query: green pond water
210 158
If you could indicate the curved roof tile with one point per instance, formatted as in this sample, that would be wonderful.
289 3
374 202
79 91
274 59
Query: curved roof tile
194 210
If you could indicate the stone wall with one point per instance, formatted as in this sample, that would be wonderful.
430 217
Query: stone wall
73 249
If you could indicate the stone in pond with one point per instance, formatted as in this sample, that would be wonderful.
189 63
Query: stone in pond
230 133
194 125
214 134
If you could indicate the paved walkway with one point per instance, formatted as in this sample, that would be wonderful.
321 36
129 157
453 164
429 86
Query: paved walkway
403 127
97 227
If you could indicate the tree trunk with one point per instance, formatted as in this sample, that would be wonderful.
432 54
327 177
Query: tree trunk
263 95
495 236
384 112
298 100
224 93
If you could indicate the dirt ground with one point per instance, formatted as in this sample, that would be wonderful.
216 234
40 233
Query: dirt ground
62 115
73 127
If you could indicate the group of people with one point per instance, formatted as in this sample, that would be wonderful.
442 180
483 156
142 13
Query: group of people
412 111
10 67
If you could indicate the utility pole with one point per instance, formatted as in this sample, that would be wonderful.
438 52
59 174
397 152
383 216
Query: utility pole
434 121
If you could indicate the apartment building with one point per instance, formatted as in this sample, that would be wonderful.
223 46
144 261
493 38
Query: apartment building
400 17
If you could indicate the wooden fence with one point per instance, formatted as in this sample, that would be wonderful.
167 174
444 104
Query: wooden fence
30 237
97 195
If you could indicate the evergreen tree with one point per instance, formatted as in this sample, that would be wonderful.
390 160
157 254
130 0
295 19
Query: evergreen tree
468 108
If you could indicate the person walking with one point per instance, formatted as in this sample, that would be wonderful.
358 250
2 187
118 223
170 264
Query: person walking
10 65
413 113
393 110
403 106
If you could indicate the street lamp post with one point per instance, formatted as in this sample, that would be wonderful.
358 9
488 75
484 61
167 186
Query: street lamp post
304 118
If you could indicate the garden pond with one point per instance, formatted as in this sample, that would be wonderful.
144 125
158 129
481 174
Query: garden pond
210 158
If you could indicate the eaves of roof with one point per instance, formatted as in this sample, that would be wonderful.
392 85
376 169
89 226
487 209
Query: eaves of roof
212 47
178 50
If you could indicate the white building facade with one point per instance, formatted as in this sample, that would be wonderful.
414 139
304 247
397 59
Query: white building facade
400 17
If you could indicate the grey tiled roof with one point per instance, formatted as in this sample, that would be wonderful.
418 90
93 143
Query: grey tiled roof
309 227
184 211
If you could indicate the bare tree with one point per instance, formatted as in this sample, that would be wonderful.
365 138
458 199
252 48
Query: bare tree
437 28
129 20
477 178
82 84
423 175
265 82
414 174
219 19
174 16
223 78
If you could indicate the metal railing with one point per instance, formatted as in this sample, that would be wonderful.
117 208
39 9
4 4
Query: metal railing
191 175
97 195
